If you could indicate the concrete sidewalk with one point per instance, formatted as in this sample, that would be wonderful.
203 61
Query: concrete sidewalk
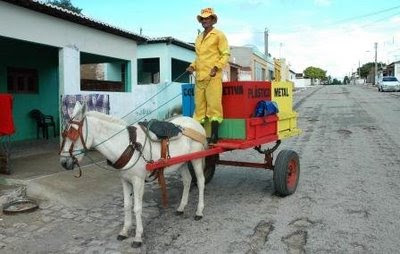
36 173
92 189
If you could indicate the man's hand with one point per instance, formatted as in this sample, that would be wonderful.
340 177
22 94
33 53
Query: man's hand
213 71
190 69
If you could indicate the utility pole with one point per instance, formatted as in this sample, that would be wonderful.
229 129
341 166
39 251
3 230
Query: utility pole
376 64
359 69
266 42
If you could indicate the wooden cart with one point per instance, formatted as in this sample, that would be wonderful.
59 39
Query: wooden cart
240 131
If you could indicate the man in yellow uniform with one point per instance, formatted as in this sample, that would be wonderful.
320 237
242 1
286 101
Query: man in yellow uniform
212 54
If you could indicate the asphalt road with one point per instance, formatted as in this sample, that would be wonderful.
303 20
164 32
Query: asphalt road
347 200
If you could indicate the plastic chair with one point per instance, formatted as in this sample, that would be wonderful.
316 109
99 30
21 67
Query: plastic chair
43 122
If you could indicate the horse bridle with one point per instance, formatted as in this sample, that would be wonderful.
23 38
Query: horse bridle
73 134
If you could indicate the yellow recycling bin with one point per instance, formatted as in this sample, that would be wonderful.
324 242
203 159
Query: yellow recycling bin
282 94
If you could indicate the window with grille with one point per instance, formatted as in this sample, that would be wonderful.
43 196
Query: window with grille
22 80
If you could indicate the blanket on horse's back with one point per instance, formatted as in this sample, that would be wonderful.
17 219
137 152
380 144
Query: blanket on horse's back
163 130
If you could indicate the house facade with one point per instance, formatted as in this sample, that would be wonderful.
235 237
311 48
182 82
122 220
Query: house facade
162 64
393 69
255 65
49 54
282 72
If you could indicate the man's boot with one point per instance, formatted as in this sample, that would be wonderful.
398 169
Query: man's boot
214 132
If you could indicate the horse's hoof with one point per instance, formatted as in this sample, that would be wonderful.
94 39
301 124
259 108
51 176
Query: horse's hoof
197 217
121 237
136 244
179 213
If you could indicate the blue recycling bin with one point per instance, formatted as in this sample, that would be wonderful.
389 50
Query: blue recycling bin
188 99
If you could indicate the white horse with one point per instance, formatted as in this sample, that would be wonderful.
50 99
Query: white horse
110 137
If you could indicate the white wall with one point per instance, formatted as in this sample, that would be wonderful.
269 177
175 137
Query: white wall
397 70
69 65
298 83
242 56
123 103
292 76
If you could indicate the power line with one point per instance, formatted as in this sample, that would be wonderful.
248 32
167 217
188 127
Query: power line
381 19
351 18
366 15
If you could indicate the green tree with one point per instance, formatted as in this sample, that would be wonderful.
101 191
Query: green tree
346 80
314 73
336 82
66 4
329 78
366 68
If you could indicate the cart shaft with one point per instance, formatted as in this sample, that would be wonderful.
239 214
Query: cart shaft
220 147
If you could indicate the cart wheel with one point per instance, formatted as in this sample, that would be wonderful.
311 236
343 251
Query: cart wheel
209 169
286 172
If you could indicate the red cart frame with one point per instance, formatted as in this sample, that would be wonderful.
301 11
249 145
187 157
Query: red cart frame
286 168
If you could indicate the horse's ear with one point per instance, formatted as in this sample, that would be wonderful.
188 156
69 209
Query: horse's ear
84 109
77 113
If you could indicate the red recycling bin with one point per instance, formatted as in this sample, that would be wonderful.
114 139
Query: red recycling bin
239 98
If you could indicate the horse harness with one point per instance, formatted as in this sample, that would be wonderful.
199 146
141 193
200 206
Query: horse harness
130 149
73 134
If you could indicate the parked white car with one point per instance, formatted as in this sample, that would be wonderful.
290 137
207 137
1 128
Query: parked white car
388 84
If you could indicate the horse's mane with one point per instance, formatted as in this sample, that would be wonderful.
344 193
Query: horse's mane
107 118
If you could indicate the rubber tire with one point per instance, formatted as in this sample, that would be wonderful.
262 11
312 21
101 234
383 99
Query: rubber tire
286 161
209 169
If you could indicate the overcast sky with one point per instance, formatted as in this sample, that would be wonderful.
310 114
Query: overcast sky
334 35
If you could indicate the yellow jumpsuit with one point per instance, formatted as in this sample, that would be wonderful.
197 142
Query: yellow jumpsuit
211 51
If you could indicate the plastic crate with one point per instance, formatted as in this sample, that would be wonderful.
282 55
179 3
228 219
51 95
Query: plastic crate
249 128
232 129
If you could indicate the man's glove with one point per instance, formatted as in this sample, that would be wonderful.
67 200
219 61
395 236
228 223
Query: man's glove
190 69
213 71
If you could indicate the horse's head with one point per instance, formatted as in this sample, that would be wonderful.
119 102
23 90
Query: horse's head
74 143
